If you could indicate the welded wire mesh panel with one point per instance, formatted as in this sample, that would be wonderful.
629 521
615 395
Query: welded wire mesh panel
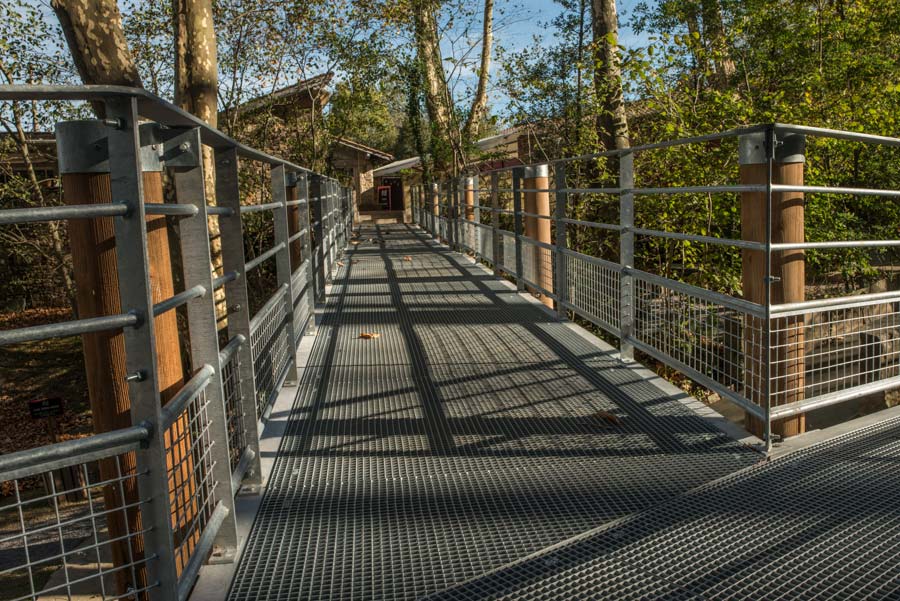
722 344
271 348
594 291
508 248
234 414
486 243
74 533
537 265
831 351
299 291
191 483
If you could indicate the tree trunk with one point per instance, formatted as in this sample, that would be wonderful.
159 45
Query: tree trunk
101 54
196 86
714 32
612 124
479 103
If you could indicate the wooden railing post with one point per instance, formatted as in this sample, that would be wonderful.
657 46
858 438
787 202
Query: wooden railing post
775 367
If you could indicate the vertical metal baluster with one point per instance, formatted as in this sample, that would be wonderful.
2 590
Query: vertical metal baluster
303 189
495 221
517 227
315 203
195 256
476 216
767 327
283 265
126 186
562 276
231 231
626 254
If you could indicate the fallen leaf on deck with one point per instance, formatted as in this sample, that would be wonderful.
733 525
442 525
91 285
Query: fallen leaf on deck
369 335
354 242
407 258
608 417
340 263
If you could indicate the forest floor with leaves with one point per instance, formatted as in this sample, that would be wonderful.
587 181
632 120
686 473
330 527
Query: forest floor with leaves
32 370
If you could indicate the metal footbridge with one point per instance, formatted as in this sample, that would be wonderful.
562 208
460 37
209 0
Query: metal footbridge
424 410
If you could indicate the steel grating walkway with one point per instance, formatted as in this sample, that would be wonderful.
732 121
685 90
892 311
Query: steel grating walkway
460 440
820 523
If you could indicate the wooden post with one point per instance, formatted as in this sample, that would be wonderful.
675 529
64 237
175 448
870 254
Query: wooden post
84 170
536 228
786 357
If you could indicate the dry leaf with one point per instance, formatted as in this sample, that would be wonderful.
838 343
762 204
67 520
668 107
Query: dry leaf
354 242
608 417
369 335
407 258
340 263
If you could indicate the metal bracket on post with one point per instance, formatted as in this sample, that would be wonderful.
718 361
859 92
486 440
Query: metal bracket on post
562 276
195 257
126 185
283 264
626 254
517 226
231 232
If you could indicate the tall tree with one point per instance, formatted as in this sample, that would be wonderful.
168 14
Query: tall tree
196 65
714 34
449 137
612 124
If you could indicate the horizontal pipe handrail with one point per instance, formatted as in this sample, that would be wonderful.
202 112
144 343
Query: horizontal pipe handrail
49 457
277 296
201 551
269 206
840 302
731 302
179 402
231 348
731 242
253 264
169 209
221 211
603 226
179 299
68 328
41 214
220 281
835 244
297 236
836 190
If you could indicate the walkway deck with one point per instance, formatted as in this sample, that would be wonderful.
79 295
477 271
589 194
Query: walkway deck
462 439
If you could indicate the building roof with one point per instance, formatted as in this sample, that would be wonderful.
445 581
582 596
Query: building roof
306 92
359 147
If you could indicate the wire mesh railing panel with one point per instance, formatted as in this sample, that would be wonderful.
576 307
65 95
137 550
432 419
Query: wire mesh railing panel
594 290
833 350
723 346
234 414
192 485
74 532
485 247
299 290
271 349
538 263
508 250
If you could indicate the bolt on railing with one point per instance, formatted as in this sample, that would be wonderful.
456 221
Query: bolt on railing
158 495
767 349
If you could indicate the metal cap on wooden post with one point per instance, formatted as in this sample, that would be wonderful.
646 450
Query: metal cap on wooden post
774 351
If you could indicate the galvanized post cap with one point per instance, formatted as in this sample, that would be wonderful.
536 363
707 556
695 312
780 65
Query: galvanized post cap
82 146
542 170
789 148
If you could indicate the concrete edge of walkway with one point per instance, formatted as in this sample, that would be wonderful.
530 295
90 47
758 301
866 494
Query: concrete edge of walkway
214 580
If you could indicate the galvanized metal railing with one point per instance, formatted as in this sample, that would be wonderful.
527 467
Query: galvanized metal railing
167 483
774 359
